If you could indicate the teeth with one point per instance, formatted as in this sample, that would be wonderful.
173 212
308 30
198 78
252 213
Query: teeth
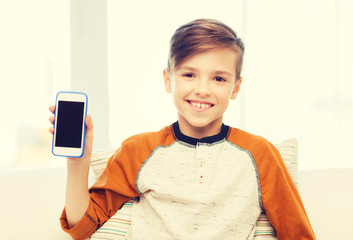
201 105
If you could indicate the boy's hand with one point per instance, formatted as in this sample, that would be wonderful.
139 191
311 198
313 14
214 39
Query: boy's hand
86 158
77 196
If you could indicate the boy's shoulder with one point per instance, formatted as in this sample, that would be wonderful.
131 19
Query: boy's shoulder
151 139
244 138
262 151
255 144
140 146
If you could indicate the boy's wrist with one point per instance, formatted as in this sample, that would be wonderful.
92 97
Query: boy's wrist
78 164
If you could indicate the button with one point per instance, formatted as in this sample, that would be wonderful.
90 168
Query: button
201 179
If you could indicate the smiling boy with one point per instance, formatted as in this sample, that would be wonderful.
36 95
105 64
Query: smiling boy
197 178
202 86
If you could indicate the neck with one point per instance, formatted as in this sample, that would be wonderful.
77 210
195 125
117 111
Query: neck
199 132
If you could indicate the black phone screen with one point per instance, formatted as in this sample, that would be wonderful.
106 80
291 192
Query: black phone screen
69 124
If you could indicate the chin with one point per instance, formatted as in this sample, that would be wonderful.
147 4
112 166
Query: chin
201 123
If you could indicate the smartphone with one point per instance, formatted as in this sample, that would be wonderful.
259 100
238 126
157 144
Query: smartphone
69 124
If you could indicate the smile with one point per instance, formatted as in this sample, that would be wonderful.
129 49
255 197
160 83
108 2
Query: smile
200 105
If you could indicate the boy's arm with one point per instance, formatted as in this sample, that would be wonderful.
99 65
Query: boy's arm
77 196
279 195
281 198
114 187
86 210
102 205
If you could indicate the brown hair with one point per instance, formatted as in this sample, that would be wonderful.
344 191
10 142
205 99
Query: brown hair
201 35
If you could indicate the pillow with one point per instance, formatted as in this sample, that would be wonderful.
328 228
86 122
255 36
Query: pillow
99 161
117 226
289 152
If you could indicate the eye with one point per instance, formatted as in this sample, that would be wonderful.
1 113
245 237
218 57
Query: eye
188 75
220 79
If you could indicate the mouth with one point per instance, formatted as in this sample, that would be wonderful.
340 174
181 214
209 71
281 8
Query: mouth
200 105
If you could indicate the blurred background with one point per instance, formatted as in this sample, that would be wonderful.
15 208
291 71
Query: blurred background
298 71
297 83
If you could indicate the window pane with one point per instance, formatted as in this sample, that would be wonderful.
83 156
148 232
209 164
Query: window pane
34 64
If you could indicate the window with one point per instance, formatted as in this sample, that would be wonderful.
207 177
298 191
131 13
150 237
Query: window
35 63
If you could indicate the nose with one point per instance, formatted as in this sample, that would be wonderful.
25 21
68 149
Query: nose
202 88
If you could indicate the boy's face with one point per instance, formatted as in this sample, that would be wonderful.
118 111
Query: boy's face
202 86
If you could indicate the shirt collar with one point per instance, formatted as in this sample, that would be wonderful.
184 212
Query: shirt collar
193 141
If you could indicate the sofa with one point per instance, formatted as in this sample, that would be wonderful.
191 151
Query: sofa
32 201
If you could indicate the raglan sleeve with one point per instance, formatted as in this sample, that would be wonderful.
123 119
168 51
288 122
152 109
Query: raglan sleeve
280 197
113 188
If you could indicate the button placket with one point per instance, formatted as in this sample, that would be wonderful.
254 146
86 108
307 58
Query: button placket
201 158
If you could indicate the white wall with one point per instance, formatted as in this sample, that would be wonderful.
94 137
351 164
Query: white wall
298 78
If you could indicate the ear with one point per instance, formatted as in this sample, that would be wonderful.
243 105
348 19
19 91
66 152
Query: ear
167 80
236 88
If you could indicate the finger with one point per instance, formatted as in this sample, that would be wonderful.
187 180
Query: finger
89 122
52 108
51 119
89 129
51 130
89 126
89 136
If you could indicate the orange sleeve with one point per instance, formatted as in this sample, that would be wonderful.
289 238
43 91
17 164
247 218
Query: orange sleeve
280 196
281 199
82 230
113 188
117 184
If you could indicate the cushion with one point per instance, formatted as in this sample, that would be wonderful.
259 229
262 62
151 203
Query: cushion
117 226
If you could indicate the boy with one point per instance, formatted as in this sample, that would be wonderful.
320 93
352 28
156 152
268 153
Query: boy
197 178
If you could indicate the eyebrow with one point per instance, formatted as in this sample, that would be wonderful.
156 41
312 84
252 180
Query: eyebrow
224 73
196 70
186 68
